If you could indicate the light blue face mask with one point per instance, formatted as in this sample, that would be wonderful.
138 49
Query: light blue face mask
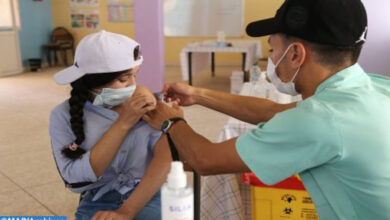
110 98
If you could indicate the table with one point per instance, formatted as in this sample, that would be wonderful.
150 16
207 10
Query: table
224 196
196 56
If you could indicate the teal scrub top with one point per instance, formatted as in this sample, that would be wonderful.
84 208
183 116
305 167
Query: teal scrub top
338 140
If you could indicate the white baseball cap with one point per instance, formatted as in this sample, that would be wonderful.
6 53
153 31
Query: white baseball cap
101 52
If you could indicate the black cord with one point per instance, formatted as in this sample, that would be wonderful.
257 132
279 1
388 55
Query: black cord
172 147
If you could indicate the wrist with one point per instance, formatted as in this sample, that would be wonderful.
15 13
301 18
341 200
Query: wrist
127 211
176 126
197 95
126 124
168 123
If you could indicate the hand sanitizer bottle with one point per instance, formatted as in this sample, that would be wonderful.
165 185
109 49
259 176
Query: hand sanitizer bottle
255 73
177 200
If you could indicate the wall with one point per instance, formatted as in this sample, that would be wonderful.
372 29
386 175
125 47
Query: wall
36 23
254 10
375 55
152 73
61 17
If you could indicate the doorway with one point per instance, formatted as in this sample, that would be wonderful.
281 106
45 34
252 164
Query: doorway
10 59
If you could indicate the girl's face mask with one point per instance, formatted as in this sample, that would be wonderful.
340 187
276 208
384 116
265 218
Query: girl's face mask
110 98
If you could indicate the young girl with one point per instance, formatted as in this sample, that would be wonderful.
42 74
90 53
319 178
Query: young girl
101 146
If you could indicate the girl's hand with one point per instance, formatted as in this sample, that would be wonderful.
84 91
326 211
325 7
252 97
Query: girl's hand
132 110
162 113
142 90
111 215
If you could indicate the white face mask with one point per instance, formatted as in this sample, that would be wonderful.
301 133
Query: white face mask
110 98
287 88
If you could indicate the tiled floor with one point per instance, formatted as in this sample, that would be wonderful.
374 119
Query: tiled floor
29 182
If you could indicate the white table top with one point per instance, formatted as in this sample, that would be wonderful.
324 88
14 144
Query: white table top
201 56
237 46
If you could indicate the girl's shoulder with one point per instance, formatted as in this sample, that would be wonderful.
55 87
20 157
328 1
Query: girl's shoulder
144 131
60 111
63 106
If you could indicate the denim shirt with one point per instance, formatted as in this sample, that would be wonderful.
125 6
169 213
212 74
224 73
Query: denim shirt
125 170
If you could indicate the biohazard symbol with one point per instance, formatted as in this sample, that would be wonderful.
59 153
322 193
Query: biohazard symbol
288 211
288 198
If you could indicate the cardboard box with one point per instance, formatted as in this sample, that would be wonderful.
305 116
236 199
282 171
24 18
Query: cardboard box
285 200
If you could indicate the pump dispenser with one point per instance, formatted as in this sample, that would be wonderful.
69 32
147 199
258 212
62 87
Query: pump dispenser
177 200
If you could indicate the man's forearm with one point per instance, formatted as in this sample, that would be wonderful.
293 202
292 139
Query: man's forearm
189 145
249 109
203 156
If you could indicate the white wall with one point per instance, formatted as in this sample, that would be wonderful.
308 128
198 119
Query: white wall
375 57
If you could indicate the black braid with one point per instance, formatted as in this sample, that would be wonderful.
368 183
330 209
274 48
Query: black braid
78 97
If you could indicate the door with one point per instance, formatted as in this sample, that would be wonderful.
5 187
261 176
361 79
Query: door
10 59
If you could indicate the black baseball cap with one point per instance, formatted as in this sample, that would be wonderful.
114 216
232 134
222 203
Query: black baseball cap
341 23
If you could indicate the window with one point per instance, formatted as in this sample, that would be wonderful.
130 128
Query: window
6 11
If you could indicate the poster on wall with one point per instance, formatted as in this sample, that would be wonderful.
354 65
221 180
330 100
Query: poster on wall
120 12
77 18
92 19
84 3
85 19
